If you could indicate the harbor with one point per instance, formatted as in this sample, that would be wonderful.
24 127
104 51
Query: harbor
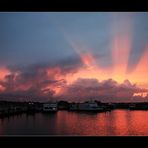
71 118
15 108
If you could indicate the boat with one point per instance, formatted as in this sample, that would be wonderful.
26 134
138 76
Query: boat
87 106
90 106
50 107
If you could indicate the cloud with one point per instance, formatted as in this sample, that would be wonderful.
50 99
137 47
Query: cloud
44 81
106 91
27 84
39 81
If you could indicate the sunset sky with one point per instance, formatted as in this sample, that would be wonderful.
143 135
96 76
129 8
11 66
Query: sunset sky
74 56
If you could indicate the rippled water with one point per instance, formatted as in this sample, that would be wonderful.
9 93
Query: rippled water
116 122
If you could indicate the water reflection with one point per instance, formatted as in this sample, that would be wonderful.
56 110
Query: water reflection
117 122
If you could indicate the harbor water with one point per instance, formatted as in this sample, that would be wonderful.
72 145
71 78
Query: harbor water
114 123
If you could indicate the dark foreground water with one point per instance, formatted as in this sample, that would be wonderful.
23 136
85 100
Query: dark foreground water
116 122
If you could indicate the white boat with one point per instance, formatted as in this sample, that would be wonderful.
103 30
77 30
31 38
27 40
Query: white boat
90 106
49 107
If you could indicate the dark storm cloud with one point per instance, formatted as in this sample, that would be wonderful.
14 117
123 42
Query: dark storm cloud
106 91
68 64
34 81
27 85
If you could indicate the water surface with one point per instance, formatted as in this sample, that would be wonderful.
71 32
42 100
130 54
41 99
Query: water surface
116 123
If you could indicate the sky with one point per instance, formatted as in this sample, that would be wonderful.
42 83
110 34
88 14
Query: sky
74 56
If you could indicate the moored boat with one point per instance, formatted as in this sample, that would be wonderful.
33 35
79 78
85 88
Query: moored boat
90 106
50 107
87 106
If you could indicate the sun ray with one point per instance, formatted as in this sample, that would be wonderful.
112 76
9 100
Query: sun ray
121 46
140 73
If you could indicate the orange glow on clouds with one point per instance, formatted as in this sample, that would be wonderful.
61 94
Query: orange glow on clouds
2 88
57 74
87 59
142 94
3 72
23 87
